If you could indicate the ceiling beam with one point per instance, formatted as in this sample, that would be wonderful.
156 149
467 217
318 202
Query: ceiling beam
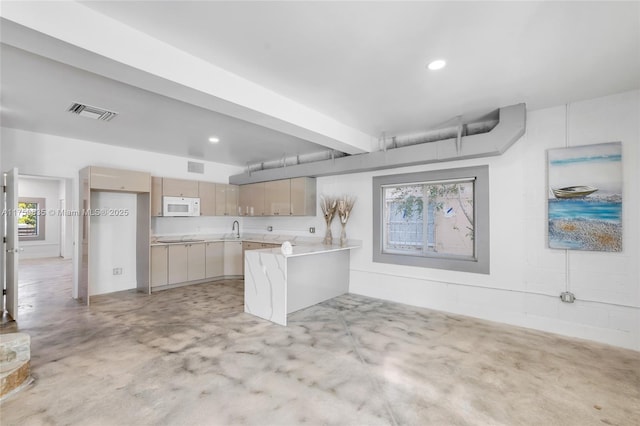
117 51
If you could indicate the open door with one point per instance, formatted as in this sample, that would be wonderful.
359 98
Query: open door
11 246
85 232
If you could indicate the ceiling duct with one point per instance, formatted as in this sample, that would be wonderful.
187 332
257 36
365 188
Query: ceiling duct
89 111
295 160
489 136
464 129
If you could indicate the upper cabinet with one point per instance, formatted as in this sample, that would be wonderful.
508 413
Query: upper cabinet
179 188
156 196
252 199
226 199
285 197
303 196
108 179
207 191
277 196
216 199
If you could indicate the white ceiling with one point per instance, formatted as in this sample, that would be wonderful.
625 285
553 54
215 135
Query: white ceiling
36 93
360 63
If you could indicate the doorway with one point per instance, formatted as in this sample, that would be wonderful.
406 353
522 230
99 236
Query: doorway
44 237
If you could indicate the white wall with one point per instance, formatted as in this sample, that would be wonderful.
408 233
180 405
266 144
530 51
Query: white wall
63 157
49 189
185 226
298 226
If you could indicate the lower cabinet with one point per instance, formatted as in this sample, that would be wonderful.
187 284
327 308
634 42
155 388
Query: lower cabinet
233 260
181 263
177 264
186 262
196 261
159 264
214 263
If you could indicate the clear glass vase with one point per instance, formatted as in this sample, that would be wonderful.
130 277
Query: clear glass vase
328 238
343 235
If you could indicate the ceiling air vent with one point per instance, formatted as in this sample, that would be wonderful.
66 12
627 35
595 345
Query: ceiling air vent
91 112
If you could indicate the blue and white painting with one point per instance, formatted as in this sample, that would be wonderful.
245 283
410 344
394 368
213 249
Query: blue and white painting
585 197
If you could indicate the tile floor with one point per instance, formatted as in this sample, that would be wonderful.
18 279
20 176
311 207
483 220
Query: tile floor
191 356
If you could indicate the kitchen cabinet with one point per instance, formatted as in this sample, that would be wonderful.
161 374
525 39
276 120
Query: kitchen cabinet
251 200
284 197
226 199
277 196
108 179
303 196
207 191
156 196
196 261
179 188
233 259
186 262
177 264
214 262
159 265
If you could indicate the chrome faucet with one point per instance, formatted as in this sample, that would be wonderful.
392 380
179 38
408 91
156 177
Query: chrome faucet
233 228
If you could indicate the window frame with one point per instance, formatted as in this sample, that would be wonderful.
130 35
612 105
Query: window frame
40 219
480 263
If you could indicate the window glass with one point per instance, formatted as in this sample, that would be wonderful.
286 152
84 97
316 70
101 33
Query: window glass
429 218
31 219
433 219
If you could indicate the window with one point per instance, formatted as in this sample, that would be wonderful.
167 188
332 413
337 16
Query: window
30 219
437 219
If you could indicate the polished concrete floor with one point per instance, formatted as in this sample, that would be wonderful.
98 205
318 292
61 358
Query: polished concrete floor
190 356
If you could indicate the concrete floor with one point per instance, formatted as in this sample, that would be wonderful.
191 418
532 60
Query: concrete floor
190 356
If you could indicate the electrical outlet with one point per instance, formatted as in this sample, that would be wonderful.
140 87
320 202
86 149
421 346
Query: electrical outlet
567 297
117 271
312 230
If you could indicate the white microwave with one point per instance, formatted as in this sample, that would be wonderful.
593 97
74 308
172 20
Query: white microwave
180 206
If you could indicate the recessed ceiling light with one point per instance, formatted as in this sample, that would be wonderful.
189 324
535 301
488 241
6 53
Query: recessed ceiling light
213 139
437 64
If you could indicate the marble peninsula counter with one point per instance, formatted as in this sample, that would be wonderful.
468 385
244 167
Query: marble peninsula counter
276 284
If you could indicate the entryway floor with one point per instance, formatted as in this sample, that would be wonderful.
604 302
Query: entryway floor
191 356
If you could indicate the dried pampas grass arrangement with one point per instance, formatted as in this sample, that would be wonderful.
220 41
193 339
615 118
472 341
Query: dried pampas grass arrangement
345 205
328 205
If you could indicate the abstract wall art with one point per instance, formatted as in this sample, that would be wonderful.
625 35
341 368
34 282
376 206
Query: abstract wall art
585 197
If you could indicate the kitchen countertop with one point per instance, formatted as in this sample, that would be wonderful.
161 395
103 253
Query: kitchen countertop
305 249
256 238
302 246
